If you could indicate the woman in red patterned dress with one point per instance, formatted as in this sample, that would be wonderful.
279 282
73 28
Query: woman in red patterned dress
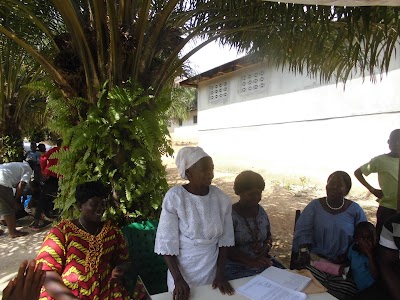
85 258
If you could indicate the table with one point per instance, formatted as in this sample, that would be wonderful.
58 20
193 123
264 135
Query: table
206 292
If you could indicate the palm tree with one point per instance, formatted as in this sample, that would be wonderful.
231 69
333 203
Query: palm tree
113 61
17 69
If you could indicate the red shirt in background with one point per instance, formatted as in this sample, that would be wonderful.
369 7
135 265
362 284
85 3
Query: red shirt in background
46 162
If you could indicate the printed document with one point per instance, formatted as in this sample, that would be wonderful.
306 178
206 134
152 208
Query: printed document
261 288
287 279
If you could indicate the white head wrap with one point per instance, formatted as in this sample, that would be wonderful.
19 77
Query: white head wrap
187 157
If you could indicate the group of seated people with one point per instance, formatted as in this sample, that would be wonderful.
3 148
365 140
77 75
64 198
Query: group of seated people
205 239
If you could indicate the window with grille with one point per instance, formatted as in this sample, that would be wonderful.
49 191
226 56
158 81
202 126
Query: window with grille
218 92
252 82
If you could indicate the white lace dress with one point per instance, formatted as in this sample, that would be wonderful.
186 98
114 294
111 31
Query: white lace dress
193 228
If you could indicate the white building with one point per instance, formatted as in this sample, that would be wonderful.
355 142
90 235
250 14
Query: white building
185 131
254 116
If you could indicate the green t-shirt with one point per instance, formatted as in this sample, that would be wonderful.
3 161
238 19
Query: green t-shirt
387 168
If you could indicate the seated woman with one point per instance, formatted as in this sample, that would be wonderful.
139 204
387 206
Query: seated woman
195 227
252 229
85 258
325 230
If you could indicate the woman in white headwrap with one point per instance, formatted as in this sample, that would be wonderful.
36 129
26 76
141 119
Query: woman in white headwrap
195 227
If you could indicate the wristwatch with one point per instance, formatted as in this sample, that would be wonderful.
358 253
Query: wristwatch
304 250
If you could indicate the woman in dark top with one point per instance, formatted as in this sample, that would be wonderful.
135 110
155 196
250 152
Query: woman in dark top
252 228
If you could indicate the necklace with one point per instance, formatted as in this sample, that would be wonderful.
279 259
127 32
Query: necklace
97 230
334 208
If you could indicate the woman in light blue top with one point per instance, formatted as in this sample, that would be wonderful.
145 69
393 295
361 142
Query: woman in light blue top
326 228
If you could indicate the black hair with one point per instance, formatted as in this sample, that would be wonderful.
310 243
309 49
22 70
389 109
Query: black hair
346 178
247 180
42 147
90 189
364 226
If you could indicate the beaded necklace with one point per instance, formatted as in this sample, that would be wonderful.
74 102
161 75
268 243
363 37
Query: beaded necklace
331 207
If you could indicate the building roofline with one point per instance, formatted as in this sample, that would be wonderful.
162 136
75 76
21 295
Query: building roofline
229 67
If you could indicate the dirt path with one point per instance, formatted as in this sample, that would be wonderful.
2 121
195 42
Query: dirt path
280 200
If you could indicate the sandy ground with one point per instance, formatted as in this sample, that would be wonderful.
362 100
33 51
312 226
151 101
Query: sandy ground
280 200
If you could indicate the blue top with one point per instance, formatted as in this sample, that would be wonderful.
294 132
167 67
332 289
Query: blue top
34 156
329 235
360 269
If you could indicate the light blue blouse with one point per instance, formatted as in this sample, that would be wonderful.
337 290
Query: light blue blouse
329 235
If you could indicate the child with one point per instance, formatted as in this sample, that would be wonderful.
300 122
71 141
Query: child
387 166
361 256
34 156
37 207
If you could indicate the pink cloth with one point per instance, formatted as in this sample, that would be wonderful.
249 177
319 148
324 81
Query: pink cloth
327 266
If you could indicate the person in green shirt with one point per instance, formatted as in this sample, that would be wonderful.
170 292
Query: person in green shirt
386 166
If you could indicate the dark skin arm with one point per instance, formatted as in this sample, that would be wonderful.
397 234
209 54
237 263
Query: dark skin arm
182 290
367 248
18 193
358 174
219 281
56 288
389 264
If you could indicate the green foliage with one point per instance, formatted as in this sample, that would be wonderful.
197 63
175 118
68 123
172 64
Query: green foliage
183 100
120 142
11 149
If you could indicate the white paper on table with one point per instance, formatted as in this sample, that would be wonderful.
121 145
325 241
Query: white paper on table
288 279
261 288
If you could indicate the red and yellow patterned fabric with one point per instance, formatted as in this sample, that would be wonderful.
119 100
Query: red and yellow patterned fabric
85 261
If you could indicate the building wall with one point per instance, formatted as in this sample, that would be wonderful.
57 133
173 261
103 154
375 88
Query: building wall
187 133
294 125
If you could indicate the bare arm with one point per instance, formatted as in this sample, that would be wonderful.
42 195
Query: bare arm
182 290
56 288
389 263
219 281
20 188
358 174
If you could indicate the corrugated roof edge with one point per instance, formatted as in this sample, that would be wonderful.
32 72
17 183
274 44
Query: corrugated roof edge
231 66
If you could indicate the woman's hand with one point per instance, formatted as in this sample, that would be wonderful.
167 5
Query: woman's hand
181 291
27 284
117 275
223 285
